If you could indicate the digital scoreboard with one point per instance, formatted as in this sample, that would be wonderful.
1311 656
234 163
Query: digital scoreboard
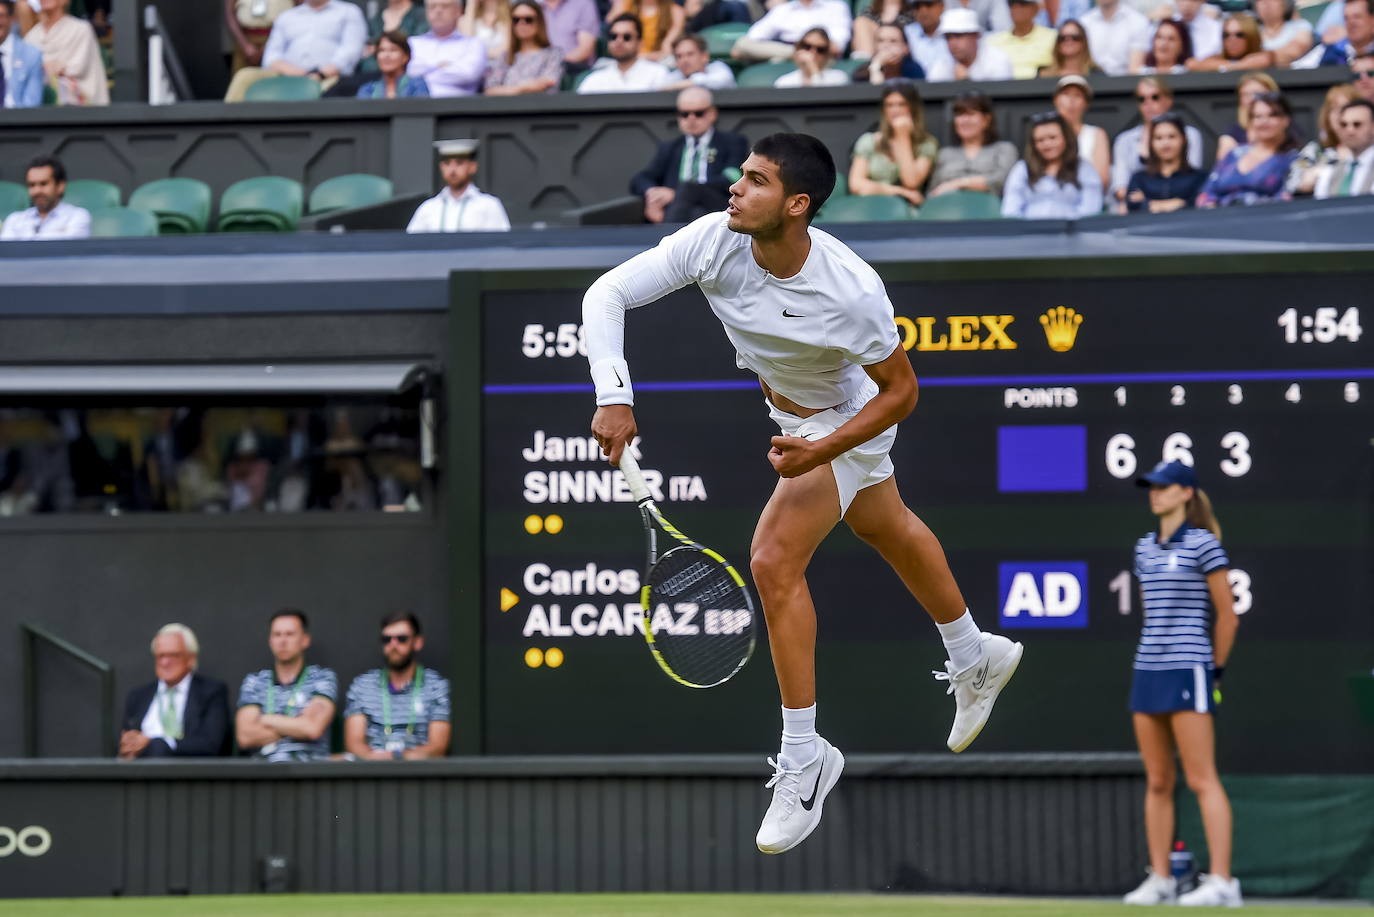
1042 397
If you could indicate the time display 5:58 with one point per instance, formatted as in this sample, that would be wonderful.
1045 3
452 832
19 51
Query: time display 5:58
566 340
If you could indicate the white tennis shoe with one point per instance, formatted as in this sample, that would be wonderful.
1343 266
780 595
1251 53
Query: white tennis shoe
1154 890
798 798
976 688
1213 891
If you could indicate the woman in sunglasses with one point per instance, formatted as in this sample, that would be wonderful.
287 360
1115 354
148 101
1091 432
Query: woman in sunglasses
897 158
1256 172
812 55
1241 47
529 64
1170 49
1071 53
1052 182
1169 182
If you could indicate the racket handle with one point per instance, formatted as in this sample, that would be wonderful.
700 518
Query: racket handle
630 468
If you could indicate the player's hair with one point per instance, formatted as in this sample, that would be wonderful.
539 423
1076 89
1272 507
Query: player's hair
59 171
290 613
804 165
188 638
1199 513
397 617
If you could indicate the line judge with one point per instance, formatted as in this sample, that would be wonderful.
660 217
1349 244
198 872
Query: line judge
461 206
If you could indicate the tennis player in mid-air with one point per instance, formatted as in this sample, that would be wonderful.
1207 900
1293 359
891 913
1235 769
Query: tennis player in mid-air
814 322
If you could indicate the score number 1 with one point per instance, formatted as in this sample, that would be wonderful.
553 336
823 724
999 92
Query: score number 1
1121 584
1122 464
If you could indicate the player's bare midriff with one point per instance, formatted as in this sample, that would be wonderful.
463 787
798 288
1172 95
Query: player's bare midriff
787 405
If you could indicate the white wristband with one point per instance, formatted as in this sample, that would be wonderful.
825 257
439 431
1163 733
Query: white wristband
612 380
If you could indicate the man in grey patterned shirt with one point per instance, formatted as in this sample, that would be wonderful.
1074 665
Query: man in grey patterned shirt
401 711
284 712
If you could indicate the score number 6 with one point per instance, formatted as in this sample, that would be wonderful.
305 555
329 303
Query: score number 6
1122 464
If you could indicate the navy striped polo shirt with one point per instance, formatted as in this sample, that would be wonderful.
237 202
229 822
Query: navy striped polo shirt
1176 633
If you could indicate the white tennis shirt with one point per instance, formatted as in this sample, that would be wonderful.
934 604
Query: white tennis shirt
807 337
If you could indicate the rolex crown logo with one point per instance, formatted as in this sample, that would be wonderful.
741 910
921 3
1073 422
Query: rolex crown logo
1061 327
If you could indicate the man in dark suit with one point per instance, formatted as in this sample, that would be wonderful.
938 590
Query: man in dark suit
182 713
686 178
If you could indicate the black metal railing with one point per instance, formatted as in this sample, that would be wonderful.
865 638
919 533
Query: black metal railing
30 636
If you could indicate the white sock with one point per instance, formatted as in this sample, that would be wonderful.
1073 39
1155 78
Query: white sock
963 640
799 744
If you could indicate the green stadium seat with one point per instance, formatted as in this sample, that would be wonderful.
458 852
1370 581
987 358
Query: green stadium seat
116 222
873 208
347 191
764 74
266 204
180 205
577 80
962 205
841 184
13 196
92 194
283 89
722 37
1313 14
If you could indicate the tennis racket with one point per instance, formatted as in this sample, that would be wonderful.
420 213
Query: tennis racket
698 614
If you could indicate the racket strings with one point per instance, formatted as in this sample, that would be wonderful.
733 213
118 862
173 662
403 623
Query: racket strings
702 619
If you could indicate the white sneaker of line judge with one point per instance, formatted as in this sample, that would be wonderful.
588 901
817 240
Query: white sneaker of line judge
1213 891
1156 889
798 798
976 688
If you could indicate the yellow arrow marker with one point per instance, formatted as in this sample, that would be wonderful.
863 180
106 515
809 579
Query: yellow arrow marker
508 599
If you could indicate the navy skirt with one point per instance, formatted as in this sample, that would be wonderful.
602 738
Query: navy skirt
1172 690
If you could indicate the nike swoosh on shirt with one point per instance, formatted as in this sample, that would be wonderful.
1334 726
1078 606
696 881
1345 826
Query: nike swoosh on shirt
786 314
808 803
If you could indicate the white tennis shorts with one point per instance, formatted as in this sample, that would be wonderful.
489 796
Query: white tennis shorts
864 465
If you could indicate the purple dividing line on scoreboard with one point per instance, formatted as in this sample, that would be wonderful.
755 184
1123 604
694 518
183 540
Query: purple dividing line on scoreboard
733 385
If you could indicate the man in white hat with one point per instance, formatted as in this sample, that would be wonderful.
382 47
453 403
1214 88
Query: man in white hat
970 58
460 206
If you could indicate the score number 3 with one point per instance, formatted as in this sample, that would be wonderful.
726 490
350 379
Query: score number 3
1122 464
1122 585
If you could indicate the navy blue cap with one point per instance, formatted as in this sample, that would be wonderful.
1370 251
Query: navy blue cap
1166 473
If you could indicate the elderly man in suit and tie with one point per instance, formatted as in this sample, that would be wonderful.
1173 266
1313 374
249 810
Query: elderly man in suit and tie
180 714
21 65
686 178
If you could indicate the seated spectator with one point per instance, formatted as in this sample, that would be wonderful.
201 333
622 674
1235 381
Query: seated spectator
993 15
460 206
181 713
1362 75
250 23
530 64
1249 87
573 29
686 178
1071 54
1119 36
1204 26
1241 47
1327 149
1170 49
1028 46
695 67
1057 12
71 55
321 39
878 13
1355 173
626 71
1284 35
663 21
1072 96
892 59
48 217
393 56
450 63
1131 150
969 58
1051 182
1169 181
21 65
927 42
813 57
1357 38
1256 172
285 712
774 36
489 22
897 158
976 160
401 711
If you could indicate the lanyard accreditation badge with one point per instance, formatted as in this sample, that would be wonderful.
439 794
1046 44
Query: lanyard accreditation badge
293 700
397 742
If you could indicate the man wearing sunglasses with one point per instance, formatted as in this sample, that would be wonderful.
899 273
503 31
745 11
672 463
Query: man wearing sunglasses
626 71
1362 75
400 711
686 178
1354 175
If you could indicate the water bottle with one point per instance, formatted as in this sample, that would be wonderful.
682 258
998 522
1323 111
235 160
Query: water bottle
1181 866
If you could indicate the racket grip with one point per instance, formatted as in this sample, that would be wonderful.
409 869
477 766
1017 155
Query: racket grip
630 468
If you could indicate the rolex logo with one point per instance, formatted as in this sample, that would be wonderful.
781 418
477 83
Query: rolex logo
1061 327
